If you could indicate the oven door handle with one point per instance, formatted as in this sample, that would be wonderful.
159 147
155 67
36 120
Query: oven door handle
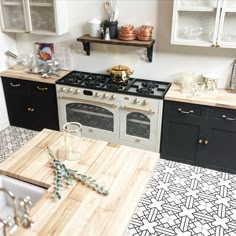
127 108
90 102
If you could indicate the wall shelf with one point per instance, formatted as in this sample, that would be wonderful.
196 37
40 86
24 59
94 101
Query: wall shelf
86 40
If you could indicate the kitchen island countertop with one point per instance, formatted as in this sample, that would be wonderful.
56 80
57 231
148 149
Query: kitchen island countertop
81 211
218 98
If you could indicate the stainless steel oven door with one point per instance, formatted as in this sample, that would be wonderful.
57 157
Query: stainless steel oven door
99 119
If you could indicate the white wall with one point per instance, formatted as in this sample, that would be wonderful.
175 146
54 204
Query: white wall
7 43
168 60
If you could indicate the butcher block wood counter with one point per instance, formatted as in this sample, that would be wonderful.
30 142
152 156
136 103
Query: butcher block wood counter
82 211
20 74
219 98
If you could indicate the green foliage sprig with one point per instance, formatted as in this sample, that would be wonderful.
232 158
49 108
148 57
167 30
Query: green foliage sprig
66 175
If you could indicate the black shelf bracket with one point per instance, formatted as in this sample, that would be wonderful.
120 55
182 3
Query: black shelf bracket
150 53
86 46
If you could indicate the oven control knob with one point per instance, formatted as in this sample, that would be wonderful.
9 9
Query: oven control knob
78 91
113 97
97 94
105 95
145 102
136 101
70 90
63 89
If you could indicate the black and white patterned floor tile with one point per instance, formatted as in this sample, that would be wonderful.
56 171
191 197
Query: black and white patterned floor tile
12 138
185 200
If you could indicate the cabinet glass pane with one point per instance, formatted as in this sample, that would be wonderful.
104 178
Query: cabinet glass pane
197 3
13 16
138 125
230 4
90 116
42 18
195 25
229 31
43 2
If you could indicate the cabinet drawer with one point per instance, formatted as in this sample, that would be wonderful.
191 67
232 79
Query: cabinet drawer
222 114
184 108
14 86
42 89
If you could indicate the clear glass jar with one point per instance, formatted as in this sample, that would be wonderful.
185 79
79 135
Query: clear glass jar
73 140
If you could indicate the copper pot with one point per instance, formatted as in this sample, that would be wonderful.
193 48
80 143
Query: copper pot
120 74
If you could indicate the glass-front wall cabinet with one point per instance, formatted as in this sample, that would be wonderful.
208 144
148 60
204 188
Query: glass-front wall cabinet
13 15
48 17
207 23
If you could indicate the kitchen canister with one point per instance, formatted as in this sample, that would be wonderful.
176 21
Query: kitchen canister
210 81
94 28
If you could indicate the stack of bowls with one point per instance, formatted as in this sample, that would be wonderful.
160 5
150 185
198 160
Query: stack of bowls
127 32
145 33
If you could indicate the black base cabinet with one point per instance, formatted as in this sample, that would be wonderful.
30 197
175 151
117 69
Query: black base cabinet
200 135
31 105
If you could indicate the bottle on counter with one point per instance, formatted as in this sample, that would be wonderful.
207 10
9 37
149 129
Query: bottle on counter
107 34
101 33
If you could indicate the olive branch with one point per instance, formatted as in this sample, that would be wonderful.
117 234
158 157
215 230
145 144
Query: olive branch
66 175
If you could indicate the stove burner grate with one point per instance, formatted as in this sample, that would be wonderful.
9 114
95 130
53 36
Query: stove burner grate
145 90
149 84
92 83
114 86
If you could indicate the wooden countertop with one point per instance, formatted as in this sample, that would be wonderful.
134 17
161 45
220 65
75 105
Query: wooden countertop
218 98
19 74
81 211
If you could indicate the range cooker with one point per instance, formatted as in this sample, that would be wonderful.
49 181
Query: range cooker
128 113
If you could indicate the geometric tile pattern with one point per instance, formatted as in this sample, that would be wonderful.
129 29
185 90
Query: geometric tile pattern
12 138
186 200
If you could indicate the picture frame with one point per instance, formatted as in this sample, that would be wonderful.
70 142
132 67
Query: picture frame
44 52
233 78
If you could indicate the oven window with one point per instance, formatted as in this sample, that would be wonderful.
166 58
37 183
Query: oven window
138 124
90 116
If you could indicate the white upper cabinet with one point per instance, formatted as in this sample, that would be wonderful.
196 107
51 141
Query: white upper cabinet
48 17
209 23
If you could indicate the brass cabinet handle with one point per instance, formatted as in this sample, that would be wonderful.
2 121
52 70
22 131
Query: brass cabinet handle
30 109
89 101
200 141
185 112
217 45
206 142
42 89
137 109
15 85
227 118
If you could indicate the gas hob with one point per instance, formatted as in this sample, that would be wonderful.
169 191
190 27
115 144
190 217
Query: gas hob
133 86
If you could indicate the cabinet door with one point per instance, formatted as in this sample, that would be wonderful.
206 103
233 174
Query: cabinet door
12 14
47 17
221 137
44 104
17 101
181 131
195 22
227 30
